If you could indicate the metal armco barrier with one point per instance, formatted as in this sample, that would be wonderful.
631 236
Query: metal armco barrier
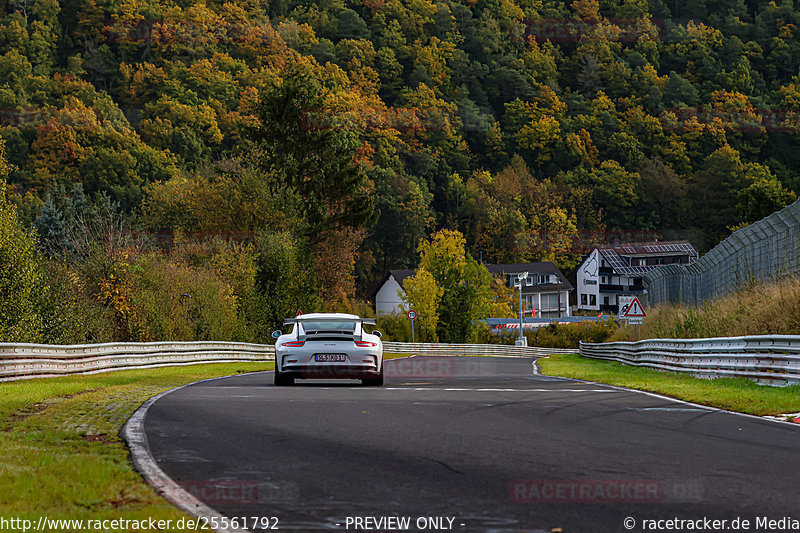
771 359
44 360
471 349
19 361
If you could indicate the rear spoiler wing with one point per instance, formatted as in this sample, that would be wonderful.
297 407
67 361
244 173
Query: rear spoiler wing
297 320
300 319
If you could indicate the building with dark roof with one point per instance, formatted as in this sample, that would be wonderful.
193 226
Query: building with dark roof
608 273
545 290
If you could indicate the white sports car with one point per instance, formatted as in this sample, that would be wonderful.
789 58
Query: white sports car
328 345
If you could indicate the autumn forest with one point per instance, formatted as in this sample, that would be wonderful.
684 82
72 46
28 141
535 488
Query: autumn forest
196 170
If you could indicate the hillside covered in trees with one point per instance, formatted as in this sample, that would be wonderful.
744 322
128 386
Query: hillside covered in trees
341 133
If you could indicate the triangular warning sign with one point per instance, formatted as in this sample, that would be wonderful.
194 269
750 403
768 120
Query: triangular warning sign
299 312
635 310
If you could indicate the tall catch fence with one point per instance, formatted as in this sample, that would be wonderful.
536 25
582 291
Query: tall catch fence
764 251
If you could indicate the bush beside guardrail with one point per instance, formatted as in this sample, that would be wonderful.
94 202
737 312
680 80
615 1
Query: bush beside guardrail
771 359
18 361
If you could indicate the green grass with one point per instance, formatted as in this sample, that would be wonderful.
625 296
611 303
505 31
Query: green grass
396 355
739 395
60 452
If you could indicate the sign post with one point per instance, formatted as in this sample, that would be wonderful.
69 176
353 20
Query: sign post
522 341
634 313
411 316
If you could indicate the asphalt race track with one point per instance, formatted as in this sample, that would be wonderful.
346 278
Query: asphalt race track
470 444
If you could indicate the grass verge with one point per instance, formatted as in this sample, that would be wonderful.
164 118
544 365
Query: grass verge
739 395
60 453
396 355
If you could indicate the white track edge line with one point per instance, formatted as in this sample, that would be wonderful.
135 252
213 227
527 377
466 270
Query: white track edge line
134 435
676 400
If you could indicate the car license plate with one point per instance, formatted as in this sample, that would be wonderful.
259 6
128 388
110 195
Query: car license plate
330 357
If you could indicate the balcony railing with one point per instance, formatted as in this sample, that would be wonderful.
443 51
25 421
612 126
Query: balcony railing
627 289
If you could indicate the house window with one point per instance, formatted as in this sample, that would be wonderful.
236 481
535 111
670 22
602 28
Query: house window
549 301
603 279
605 300
583 299
592 300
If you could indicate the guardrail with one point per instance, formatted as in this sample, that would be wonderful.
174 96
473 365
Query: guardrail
471 349
44 360
19 361
772 359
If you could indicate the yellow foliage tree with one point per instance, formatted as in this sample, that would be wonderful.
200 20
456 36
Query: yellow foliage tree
423 295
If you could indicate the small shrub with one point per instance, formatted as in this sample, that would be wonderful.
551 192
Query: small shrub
396 327
71 315
175 301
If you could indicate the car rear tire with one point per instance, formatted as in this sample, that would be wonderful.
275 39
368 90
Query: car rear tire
282 380
374 382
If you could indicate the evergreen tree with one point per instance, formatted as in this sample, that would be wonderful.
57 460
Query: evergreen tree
51 228
679 92
307 157
352 26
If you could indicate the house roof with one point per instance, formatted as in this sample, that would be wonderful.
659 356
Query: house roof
614 256
400 275
664 248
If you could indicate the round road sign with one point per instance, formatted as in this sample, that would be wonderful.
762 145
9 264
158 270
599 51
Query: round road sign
412 314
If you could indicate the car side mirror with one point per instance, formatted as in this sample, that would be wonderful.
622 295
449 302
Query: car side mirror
377 333
277 333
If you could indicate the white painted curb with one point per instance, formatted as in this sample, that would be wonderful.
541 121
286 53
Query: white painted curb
135 437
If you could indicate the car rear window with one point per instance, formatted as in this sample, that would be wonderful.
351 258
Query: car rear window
329 326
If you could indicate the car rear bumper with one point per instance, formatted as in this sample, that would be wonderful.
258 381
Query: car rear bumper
330 371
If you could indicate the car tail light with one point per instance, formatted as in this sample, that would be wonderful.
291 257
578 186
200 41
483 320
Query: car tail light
365 344
293 344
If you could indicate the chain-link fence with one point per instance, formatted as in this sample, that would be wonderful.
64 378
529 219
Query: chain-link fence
766 250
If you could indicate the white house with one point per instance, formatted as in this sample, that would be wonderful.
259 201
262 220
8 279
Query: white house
545 290
387 299
608 273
